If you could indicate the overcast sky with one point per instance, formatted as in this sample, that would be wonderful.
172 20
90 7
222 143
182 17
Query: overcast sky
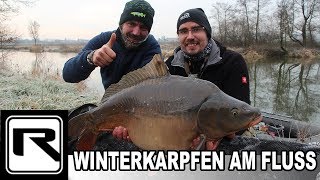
73 19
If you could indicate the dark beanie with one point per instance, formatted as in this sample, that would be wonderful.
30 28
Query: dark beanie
196 15
138 10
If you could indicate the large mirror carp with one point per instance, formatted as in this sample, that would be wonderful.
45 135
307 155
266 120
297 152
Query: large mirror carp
163 111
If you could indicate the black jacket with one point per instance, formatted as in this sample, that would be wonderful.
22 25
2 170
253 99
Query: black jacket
230 73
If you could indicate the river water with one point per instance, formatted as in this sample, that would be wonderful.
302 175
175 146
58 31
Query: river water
282 86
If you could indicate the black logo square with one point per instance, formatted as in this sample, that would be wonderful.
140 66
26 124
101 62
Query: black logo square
34 143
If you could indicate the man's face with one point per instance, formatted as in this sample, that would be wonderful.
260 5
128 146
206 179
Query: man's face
134 33
192 37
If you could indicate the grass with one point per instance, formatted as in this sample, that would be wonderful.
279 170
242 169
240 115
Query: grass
45 93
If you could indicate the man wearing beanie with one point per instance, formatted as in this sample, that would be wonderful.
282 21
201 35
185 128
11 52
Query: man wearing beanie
117 52
199 55
129 47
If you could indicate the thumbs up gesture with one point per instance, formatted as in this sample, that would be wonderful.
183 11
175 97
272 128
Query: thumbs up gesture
105 55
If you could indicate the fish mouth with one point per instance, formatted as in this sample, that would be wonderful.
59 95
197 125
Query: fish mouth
255 121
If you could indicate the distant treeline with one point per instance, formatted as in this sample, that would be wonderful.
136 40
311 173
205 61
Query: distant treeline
51 41
281 23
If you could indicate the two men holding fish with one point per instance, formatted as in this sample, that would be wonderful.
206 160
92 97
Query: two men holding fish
214 115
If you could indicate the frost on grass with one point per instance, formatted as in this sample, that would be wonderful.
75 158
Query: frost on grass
34 92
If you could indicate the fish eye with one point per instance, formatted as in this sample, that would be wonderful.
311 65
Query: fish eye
234 112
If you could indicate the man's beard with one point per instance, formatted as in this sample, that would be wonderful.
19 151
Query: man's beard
129 44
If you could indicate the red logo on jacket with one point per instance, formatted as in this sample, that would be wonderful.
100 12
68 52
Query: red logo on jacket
244 80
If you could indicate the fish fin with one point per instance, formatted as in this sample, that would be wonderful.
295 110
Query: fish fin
78 124
155 68
87 140
81 109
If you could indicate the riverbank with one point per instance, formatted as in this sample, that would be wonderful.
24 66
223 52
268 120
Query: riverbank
258 53
41 92
251 54
61 48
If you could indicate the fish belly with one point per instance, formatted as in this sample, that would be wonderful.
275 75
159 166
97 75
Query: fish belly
160 114
162 132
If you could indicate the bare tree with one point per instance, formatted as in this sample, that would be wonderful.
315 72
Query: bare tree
221 13
34 31
312 26
7 9
257 20
307 8
7 41
301 14
217 16
236 32
282 12
260 4
245 5
248 21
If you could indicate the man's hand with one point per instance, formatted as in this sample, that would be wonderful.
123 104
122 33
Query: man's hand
121 133
105 55
210 145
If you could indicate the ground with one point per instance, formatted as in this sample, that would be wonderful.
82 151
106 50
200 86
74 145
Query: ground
20 91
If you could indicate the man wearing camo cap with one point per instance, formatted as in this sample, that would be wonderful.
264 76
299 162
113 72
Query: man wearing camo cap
129 47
